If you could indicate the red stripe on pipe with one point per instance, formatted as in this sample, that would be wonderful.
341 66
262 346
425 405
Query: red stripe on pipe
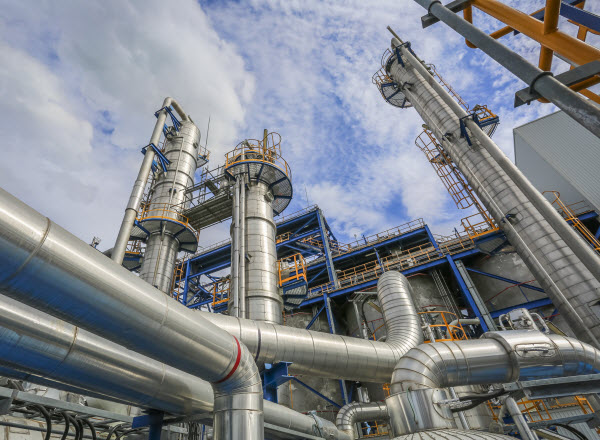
237 362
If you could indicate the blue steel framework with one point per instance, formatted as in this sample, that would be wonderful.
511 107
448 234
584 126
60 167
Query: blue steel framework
307 232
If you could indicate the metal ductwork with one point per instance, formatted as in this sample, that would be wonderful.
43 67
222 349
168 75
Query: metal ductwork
453 434
168 230
137 193
42 349
331 355
499 357
50 269
559 260
351 414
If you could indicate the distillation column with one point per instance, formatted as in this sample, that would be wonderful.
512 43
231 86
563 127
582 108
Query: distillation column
569 284
168 232
263 189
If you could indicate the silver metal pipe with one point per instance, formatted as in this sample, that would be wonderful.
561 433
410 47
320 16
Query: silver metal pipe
499 357
453 434
572 103
514 411
579 246
242 264
163 218
42 349
336 356
461 414
560 272
235 250
264 302
52 270
118 252
351 414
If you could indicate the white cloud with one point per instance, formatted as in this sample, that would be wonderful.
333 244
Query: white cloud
81 82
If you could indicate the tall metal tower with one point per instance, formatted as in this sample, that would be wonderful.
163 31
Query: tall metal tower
262 189
552 251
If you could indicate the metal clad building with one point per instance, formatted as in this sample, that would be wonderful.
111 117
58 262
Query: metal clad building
556 153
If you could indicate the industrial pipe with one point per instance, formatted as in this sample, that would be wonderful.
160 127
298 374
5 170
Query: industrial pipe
118 252
42 349
336 356
50 269
235 251
351 414
418 401
549 258
242 256
453 434
515 412
578 108
588 257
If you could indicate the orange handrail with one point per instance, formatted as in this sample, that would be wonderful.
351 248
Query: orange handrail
292 268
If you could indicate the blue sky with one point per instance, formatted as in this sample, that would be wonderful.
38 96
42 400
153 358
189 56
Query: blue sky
80 82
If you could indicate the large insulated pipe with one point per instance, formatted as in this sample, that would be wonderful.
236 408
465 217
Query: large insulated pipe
499 357
169 199
242 292
453 434
351 414
50 269
264 303
40 348
235 251
579 246
135 199
570 285
336 356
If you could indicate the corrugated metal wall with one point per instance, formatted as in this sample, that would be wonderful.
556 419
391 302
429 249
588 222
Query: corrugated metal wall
568 148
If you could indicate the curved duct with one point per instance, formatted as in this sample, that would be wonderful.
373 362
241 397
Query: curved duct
330 355
453 434
417 400
39 348
50 269
500 357
351 414
515 207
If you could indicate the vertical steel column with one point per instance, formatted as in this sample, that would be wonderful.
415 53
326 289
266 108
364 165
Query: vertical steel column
242 248
332 329
472 295
327 250
515 413
118 252
235 250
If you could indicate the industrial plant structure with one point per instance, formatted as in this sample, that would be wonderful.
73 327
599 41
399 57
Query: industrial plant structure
284 332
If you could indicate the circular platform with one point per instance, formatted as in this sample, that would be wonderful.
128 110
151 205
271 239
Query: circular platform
263 165
183 232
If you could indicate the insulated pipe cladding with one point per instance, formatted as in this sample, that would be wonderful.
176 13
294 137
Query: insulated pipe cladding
42 349
163 218
417 395
135 199
336 356
351 414
563 275
50 269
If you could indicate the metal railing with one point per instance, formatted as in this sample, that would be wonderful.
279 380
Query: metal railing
254 150
444 331
164 211
478 224
292 268
570 216
300 213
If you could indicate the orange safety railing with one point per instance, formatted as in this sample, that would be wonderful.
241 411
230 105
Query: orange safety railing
479 224
540 410
447 330
451 177
134 247
570 216
220 291
408 258
164 211
177 284
377 429
292 268
254 150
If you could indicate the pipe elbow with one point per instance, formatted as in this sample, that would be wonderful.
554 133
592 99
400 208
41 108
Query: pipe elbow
355 412
241 388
